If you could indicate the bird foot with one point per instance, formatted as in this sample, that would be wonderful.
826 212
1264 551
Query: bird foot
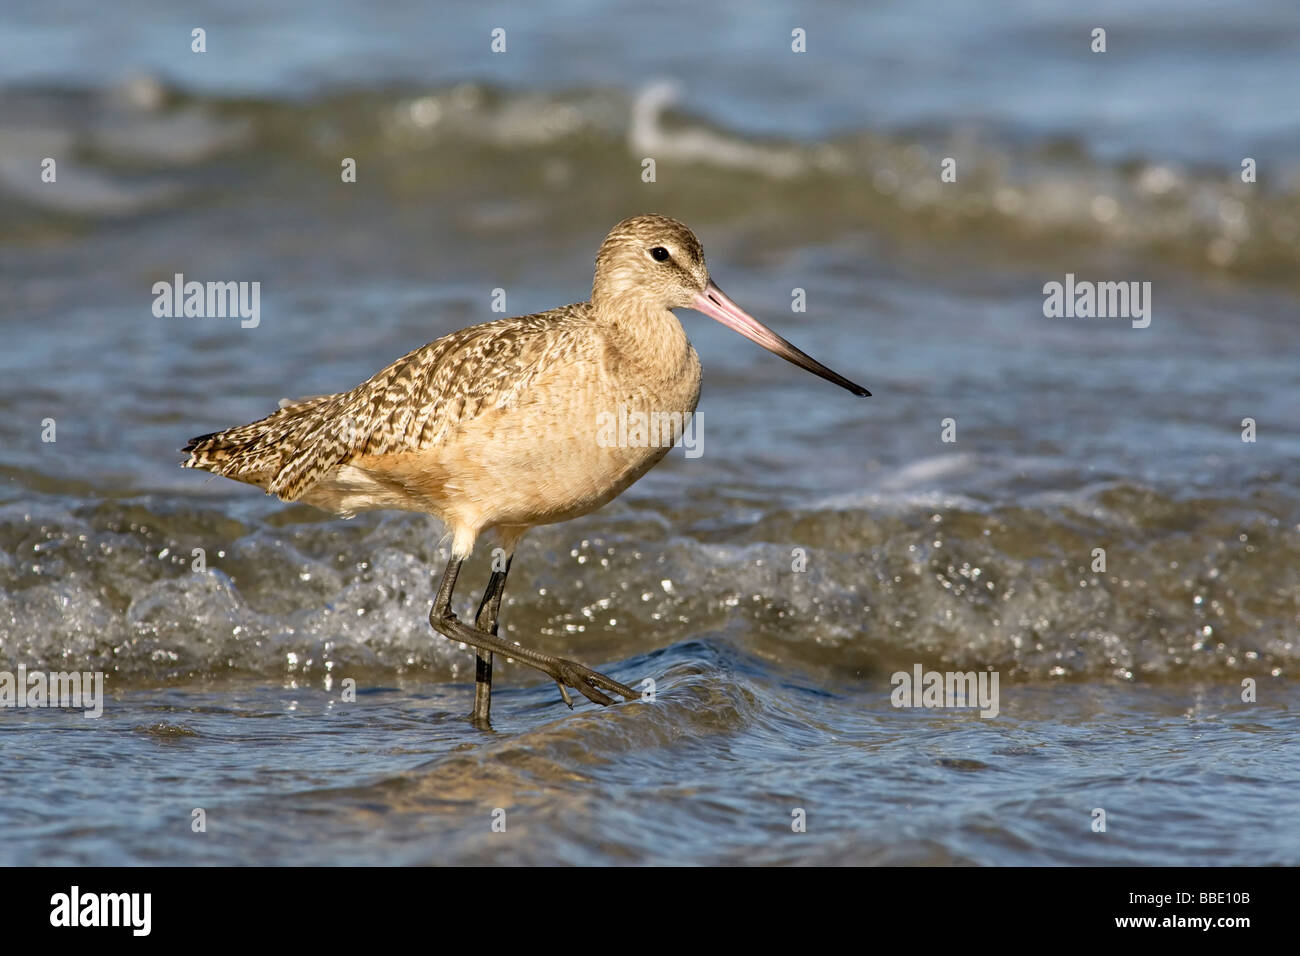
585 681
564 672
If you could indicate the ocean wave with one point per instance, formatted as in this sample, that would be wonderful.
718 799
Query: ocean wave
142 146
1193 588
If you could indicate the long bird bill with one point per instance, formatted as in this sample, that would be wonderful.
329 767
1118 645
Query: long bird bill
716 304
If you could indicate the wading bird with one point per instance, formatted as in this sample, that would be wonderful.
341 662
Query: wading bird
494 427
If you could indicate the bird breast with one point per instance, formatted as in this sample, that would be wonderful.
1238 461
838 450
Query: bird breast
585 430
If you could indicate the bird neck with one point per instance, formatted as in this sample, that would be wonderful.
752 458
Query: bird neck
648 335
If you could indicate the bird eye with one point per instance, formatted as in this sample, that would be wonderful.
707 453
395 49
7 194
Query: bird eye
659 254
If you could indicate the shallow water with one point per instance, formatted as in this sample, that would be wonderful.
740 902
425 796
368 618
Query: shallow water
711 772
1120 689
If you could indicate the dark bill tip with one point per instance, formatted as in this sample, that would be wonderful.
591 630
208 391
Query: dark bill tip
715 303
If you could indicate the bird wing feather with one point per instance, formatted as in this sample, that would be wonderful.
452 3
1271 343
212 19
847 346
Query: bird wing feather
421 398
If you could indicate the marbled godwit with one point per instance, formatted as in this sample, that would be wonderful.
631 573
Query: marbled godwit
494 427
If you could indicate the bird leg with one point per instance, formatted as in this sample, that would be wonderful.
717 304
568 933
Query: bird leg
486 621
565 673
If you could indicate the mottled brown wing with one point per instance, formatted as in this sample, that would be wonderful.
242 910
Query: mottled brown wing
417 401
